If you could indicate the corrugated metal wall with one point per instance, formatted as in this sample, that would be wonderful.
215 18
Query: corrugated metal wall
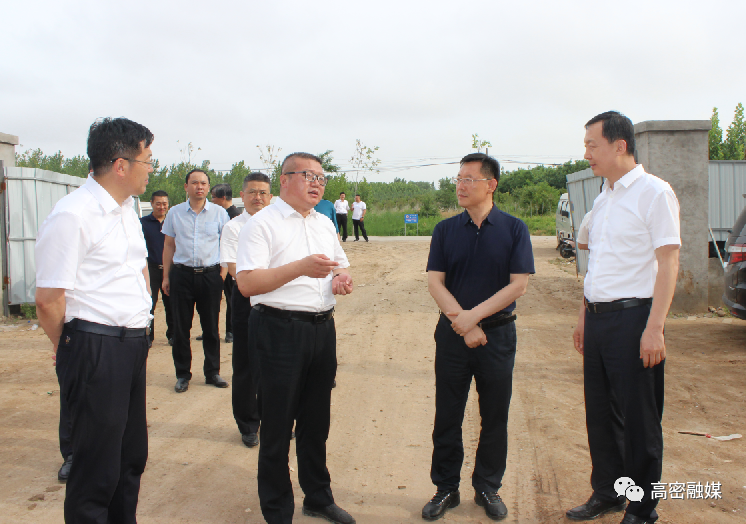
582 188
29 197
727 196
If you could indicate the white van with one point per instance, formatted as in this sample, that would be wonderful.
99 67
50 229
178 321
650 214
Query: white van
563 221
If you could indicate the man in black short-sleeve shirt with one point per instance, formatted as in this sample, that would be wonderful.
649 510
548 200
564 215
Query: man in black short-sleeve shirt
478 266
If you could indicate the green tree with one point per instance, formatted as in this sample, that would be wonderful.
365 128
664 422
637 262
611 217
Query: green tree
445 196
715 136
363 161
539 198
75 166
427 207
478 144
735 137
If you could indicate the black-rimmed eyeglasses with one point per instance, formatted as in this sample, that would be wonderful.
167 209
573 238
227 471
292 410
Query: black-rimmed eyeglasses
310 176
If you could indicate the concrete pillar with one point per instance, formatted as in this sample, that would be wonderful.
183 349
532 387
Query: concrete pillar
8 145
677 151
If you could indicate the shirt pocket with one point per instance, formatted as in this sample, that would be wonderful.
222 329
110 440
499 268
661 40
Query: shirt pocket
212 228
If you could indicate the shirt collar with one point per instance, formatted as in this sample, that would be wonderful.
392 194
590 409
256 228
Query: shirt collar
102 196
207 207
286 209
629 178
491 216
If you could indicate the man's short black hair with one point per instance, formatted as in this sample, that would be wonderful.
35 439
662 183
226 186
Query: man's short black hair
615 127
256 176
342 193
158 193
186 180
222 191
490 166
307 156
111 138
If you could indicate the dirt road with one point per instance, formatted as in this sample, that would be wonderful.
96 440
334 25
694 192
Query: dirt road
379 448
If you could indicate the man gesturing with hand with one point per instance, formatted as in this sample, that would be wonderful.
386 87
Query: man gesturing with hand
478 266
291 264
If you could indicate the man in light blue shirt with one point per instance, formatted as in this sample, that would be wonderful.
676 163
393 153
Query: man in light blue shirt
192 276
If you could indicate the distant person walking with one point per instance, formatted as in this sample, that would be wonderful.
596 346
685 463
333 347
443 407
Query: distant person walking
255 196
154 238
191 276
479 264
359 209
291 264
222 195
634 240
342 208
93 302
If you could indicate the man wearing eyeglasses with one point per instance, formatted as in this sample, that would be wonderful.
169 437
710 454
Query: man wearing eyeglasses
192 277
93 302
291 264
255 196
479 264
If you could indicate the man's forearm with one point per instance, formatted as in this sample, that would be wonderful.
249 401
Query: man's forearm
168 258
261 281
232 269
503 298
665 285
51 315
445 300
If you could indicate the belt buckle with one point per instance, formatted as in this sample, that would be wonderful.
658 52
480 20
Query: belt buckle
318 318
198 269
160 266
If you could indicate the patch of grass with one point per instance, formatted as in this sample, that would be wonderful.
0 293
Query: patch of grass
28 311
391 223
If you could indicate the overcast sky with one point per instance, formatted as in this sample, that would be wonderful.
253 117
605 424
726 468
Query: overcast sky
414 78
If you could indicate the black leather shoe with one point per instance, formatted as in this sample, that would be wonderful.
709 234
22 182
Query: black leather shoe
292 435
216 381
182 385
170 341
228 338
250 439
334 384
64 471
332 513
441 501
634 519
199 337
595 507
492 503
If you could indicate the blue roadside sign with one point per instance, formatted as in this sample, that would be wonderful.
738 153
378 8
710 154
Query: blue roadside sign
411 219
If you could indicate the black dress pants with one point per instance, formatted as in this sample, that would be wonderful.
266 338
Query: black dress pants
156 286
492 368
245 369
103 379
205 290
66 425
228 285
298 363
359 224
623 406
342 223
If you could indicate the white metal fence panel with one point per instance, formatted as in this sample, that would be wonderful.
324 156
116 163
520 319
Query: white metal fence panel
30 196
727 198
582 188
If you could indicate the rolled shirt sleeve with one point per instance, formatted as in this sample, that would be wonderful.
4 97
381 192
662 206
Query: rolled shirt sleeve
663 220
228 245
253 250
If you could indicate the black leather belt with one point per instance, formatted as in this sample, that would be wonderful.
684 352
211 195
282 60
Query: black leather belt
616 305
204 269
315 318
78 324
493 322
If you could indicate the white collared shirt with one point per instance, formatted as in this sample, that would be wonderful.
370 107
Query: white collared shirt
229 238
278 235
342 208
357 210
628 224
94 249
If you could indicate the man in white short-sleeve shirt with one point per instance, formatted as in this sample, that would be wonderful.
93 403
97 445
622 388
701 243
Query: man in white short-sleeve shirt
291 264
255 196
342 208
634 245
93 301
359 209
